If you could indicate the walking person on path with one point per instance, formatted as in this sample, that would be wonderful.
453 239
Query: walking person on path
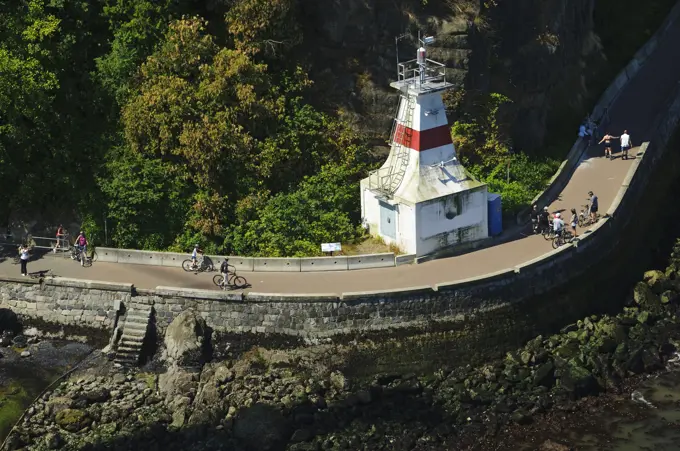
607 140
23 256
60 238
626 144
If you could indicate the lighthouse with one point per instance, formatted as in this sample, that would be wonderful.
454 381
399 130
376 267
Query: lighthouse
422 200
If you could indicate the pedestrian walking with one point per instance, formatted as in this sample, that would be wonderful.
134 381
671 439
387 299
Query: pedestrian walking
60 238
626 144
607 140
23 256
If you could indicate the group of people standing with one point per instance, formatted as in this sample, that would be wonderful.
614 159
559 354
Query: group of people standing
626 144
61 241
587 130
544 220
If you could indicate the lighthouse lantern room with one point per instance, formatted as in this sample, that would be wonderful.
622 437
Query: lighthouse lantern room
422 199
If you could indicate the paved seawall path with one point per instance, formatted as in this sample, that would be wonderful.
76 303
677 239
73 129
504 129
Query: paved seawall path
635 109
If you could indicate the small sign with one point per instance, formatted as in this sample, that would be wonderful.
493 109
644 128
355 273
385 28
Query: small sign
331 247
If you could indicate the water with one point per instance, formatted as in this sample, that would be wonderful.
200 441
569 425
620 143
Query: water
646 419
23 379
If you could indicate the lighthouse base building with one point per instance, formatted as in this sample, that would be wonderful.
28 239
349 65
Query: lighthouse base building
422 199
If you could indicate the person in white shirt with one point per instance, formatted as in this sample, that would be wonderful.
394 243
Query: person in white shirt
626 144
24 256
558 224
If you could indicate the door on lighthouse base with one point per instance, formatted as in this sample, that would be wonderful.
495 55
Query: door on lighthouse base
388 220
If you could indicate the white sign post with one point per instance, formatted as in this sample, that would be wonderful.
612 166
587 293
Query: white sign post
331 247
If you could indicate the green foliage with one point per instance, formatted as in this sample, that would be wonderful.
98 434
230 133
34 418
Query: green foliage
483 144
147 201
296 223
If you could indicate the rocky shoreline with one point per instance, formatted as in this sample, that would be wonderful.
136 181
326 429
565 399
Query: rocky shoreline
301 399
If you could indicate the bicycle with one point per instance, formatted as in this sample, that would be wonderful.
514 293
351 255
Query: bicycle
548 232
562 239
584 218
236 281
202 265
81 256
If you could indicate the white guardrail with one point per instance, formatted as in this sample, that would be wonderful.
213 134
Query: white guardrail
250 264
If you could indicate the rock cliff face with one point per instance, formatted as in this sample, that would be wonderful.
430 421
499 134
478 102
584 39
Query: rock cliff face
532 51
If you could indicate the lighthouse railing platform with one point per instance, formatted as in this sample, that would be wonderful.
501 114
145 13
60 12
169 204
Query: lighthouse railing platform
409 76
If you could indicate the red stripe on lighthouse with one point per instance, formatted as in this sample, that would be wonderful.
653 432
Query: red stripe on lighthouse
420 141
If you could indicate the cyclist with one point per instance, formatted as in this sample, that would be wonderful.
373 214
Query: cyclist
545 219
558 225
594 206
535 219
224 269
194 256
81 245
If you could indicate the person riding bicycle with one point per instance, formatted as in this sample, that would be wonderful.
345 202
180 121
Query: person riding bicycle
81 243
594 206
544 220
535 218
224 269
194 256
558 224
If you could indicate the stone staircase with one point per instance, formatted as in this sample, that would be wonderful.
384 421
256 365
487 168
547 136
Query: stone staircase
134 331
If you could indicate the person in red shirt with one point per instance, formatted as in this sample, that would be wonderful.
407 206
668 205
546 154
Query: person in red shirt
60 237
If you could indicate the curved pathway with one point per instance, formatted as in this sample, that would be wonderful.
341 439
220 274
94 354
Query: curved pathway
635 109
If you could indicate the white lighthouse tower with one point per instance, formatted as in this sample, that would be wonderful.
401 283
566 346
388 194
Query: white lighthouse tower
422 199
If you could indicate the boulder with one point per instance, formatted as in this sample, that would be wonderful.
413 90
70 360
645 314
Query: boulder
96 395
53 440
57 404
261 427
545 374
9 322
576 379
339 381
651 359
20 341
185 339
669 297
645 297
73 420
177 382
656 280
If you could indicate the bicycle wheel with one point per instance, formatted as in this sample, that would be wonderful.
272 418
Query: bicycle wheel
548 234
239 282
74 254
87 262
218 279
580 221
186 265
556 242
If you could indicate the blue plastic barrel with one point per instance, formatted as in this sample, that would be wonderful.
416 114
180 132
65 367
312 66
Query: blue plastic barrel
495 214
